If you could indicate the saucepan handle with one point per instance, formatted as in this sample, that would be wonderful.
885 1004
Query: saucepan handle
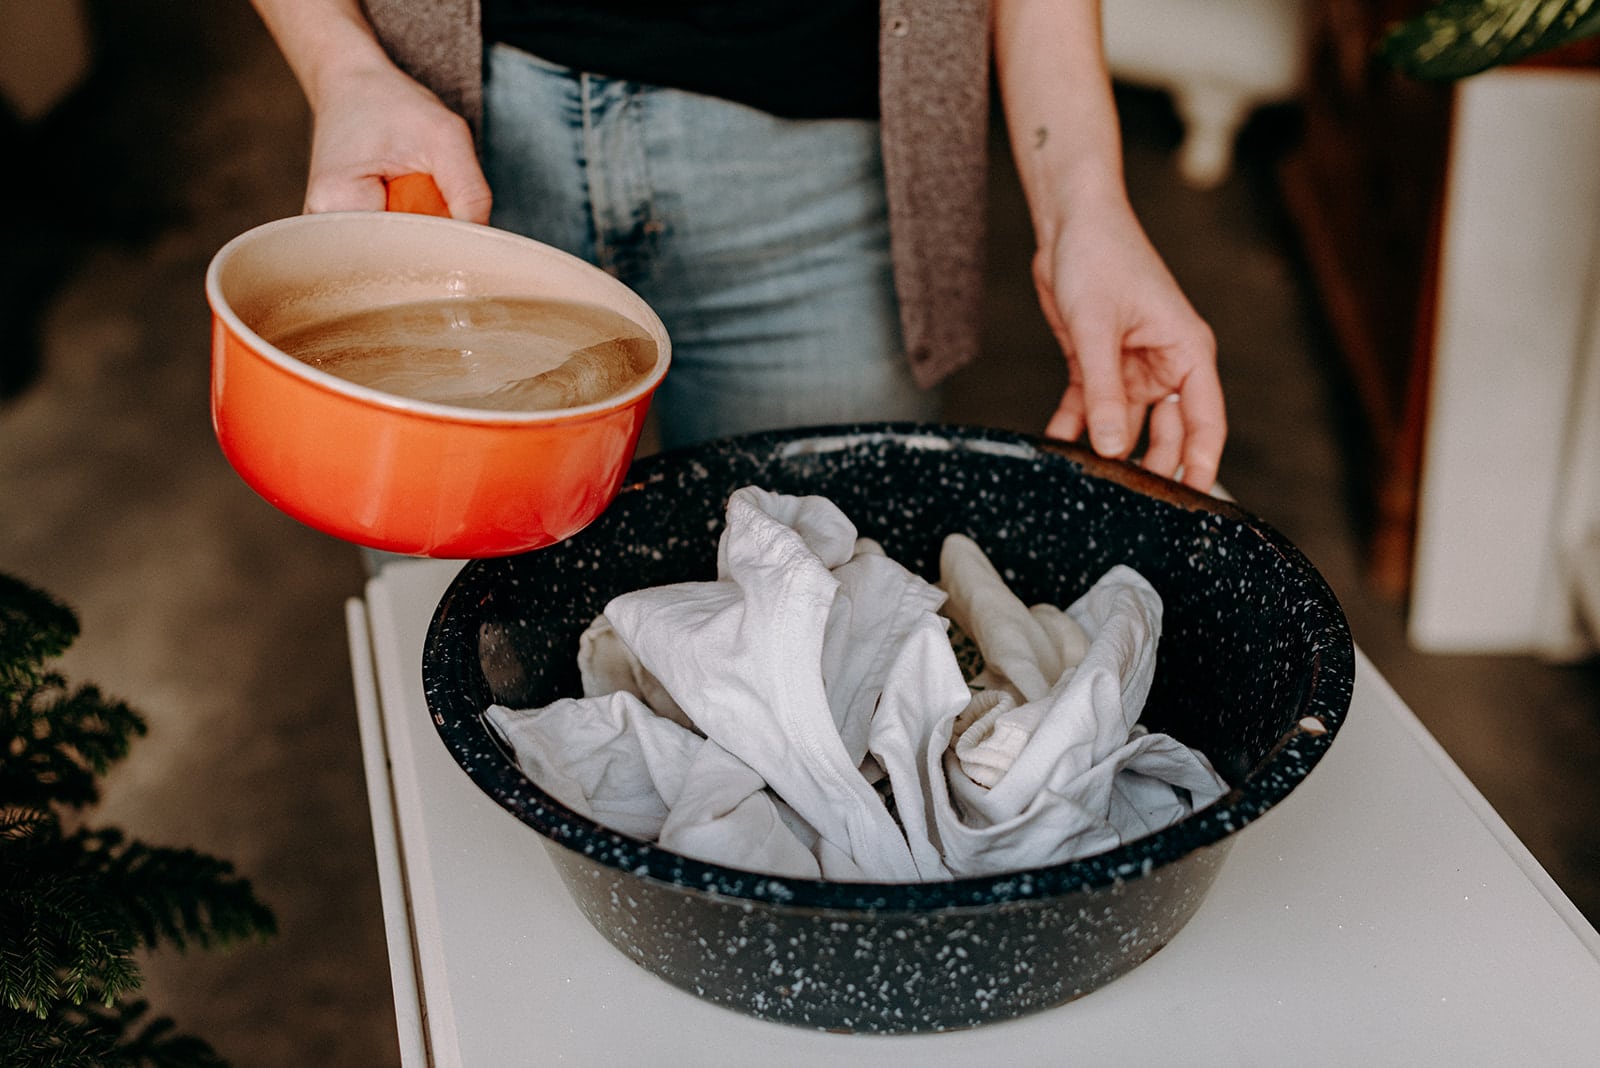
416 193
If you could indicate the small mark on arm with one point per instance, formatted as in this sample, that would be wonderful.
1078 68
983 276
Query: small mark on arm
1041 134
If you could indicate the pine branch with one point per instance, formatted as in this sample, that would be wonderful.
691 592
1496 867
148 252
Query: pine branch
66 939
176 896
54 743
34 627
76 907
55 1042
23 824
57 743
124 1037
64 947
153 1042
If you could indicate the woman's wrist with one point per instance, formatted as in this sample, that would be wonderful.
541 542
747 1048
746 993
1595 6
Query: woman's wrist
326 44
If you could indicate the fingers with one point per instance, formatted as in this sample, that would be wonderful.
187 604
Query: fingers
1165 450
1205 427
1135 351
1186 436
465 192
350 193
382 126
1067 423
1187 427
1094 398
1113 427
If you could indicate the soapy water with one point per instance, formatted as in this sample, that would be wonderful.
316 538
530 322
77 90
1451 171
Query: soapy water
497 353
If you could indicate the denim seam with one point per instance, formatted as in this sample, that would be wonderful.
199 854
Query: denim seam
595 190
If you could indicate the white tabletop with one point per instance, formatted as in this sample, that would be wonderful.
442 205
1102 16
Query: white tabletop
1383 913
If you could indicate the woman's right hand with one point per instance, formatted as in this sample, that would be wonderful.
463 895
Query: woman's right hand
375 124
371 121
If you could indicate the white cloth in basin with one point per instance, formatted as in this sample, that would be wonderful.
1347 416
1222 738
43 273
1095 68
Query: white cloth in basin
814 665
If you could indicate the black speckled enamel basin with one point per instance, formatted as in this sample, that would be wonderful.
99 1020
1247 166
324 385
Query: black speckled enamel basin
1255 669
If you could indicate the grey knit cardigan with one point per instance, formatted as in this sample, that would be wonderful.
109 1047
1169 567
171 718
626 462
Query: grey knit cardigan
934 101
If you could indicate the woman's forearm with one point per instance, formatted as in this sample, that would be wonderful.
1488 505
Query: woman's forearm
1062 119
1136 351
323 41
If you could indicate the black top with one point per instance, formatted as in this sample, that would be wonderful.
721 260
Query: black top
804 59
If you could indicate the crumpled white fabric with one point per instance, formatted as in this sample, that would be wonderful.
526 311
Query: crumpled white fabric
746 720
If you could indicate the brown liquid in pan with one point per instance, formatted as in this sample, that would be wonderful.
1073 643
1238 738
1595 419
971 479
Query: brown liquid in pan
499 353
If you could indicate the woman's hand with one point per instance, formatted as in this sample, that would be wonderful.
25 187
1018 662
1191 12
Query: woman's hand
371 121
1134 347
375 124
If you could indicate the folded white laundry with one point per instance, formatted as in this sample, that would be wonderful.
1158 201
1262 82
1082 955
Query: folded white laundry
606 665
744 658
1024 650
617 762
1071 773
814 663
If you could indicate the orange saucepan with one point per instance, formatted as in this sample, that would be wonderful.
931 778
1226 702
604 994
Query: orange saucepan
389 472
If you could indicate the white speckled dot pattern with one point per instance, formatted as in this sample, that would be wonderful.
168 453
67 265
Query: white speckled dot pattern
1255 669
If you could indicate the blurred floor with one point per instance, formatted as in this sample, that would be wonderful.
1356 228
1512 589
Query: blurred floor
221 619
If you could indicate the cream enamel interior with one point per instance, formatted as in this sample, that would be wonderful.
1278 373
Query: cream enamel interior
314 266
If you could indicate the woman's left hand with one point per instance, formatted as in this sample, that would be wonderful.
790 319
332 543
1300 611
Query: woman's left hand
1135 348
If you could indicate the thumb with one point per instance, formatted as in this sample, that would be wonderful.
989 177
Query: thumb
464 189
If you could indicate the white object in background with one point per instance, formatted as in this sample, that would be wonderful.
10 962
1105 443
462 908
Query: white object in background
1584 564
1517 263
44 54
1578 523
1220 60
